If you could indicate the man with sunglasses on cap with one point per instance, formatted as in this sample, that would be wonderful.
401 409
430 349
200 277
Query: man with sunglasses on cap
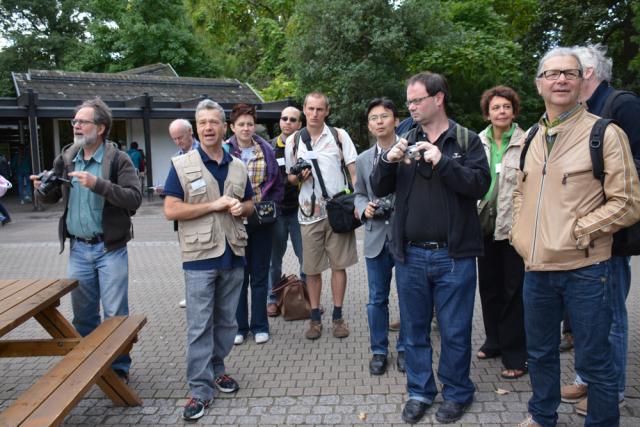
287 223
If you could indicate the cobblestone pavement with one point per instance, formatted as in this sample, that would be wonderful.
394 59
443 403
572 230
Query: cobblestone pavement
289 380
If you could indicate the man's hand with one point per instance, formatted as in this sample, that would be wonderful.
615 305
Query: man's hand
235 207
369 211
397 151
304 175
221 204
36 181
85 179
432 153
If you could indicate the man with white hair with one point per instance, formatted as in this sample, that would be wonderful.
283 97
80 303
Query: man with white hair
181 132
624 107
563 224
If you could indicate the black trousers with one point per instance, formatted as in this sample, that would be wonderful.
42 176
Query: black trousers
500 277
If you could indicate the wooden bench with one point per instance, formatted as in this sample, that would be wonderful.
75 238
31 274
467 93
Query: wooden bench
53 396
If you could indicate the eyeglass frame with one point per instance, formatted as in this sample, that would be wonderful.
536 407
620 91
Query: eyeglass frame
376 117
561 72
81 122
289 119
418 101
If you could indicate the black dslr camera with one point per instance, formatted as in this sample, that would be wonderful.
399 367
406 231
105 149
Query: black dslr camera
49 180
384 208
300 166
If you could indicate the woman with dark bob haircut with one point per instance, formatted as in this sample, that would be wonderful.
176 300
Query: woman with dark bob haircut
258 156
501 270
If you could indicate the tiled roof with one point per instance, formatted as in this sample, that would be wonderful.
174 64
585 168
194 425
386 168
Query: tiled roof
153 69
68 85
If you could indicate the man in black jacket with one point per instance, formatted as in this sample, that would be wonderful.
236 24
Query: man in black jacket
105 189
438 174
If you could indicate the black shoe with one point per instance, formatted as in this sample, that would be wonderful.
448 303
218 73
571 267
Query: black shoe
450 412
400 362
378 364
414 410
124 376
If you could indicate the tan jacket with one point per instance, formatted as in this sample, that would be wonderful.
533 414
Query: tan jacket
204 237
507 180
562 218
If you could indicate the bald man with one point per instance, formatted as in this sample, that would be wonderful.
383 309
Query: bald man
287 222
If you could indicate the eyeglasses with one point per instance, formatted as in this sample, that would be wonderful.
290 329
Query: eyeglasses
289 119
417 101
571 74
81 122
377 117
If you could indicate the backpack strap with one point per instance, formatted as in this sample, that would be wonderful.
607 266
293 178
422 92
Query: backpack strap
527 142
462 136
596 140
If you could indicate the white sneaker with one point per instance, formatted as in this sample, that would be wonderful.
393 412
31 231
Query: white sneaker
261 337
183 303
239 339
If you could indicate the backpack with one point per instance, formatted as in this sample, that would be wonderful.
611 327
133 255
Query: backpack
607 109
627 240
462 136
113 177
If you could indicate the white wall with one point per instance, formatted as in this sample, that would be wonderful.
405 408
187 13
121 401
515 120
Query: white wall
162 147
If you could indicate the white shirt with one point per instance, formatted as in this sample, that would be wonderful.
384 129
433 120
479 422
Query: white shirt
329 160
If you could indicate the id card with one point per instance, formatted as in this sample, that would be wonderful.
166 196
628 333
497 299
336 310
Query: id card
199 183
311 155
280 161
498 167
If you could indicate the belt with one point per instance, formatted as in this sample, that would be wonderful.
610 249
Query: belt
427 245
92 241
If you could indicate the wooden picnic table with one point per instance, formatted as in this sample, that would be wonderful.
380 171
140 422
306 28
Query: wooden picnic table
87 360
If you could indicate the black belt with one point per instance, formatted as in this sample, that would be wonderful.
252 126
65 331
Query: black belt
427 245
92 241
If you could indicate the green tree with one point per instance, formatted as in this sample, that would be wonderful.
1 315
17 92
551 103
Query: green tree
352 51
45 34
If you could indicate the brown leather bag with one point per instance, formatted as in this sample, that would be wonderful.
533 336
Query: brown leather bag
293 298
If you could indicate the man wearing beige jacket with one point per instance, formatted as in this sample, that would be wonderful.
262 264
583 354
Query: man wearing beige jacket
563 222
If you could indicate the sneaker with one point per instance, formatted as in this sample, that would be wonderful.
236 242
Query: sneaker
340 329
194 408
183 303
528 422
239 339
566 343
123 375
581 407
573 393
261 337
226 384
315 330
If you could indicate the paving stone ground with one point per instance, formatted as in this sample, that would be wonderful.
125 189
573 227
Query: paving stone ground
287 381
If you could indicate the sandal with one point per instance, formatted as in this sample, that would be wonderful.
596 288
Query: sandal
484 353
512 374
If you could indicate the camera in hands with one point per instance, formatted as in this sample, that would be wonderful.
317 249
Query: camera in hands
384 208
300 166
49 180
413 152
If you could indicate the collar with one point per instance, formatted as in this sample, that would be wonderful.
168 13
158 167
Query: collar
97 156
505 136
595 103
226 157
279 142
562 117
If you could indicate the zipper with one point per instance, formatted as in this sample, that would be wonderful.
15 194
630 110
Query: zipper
572 174
535 223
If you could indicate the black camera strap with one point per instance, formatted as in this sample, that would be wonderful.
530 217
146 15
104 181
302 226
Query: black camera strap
306 138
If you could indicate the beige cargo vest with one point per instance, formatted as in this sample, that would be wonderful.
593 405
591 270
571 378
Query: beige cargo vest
204 237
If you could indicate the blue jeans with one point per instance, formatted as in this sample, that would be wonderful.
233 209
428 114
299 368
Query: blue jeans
428 279
212 298
24 186
286 225
379 272
256 275
618 336
587 295
102 277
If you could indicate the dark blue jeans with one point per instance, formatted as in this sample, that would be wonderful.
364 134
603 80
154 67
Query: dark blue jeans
256 275
587 295
428 279
286 225
379 272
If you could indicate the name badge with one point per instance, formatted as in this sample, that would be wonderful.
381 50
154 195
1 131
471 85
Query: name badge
311 155
280 161
197 184
498 167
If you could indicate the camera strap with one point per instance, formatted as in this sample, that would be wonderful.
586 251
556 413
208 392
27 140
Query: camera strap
306 138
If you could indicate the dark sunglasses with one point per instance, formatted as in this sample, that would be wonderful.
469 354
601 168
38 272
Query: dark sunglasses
288 119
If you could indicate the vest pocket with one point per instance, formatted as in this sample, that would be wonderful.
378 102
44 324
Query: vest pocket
241 234
199 238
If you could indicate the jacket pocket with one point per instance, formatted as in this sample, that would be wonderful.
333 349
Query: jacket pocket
198 238
192 173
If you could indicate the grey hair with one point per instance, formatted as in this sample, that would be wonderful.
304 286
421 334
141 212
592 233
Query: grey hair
101 113
594 56
558 51
184 123
207 104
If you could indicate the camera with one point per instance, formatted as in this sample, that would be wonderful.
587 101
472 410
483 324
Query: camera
384 208
300 166
49 180
413 152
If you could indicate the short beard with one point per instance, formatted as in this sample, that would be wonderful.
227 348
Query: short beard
85 140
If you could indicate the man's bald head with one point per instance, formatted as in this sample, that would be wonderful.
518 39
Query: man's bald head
181 132
290 121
